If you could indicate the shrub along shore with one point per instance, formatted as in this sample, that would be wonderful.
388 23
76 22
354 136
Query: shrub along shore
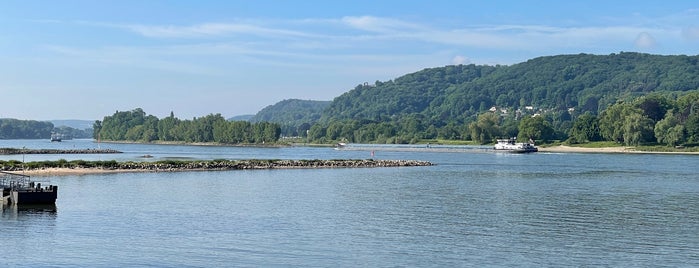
78 167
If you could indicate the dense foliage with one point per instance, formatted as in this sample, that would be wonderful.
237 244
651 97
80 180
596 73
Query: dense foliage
67 132
25 129
447 102
135 125
646 120
31 129
295 116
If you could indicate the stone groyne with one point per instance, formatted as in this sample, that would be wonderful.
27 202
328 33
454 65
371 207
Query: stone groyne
8 151
87 167
264 164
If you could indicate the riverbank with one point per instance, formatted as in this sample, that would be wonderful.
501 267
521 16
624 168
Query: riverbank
14 151
174 166
618 150
262 145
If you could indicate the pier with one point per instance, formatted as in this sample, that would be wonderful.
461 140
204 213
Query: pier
19 189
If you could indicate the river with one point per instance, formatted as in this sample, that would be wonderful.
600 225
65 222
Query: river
472 209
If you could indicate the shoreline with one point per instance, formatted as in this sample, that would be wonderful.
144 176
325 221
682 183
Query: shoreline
611 150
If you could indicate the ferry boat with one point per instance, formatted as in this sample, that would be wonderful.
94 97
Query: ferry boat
55 137
512 146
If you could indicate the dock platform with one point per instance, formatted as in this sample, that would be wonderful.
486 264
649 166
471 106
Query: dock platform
19 189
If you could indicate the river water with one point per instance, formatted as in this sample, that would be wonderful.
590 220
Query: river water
472 209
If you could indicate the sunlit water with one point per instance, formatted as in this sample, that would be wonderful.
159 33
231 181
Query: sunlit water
470 210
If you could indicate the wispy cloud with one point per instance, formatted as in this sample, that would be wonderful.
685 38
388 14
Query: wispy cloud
209 29
380 25
309 42
366 31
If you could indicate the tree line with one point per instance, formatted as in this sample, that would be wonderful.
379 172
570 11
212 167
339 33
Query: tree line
668 119
32 129
135 125
442 102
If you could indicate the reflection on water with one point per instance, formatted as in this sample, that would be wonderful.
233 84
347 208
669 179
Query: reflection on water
28 210
469 210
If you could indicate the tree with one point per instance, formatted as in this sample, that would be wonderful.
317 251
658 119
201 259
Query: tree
668 130
166 127
611 122
486 128
692 127
96 128
150 129
637 128
654 106
585 129
625 123
535 128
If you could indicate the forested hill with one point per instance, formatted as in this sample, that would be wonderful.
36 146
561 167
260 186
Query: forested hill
293 114
458 93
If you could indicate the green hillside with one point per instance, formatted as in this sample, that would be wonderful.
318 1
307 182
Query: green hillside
456 93
296 116
442 102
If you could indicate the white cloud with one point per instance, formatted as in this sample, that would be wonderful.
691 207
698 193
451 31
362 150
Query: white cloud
645 41
379 25
691 33
209 29
460 60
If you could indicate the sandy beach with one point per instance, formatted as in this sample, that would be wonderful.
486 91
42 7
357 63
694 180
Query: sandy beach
75 171
571 149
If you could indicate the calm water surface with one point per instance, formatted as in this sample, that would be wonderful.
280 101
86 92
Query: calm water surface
470 210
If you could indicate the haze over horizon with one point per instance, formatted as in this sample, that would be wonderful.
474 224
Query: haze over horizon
80 59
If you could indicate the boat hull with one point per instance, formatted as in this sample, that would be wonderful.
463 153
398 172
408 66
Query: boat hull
34 196
517 151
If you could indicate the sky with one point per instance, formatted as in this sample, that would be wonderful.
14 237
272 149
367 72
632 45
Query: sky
75 59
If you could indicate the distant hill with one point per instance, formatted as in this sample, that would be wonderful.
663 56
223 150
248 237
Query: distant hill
458 93
293 114
245 117
73 123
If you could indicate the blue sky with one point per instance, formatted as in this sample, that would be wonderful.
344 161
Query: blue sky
87 59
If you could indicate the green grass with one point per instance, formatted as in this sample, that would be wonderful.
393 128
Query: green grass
598 144
642 148
448 142
662 148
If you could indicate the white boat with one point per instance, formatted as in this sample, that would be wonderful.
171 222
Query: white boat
512 146
56 137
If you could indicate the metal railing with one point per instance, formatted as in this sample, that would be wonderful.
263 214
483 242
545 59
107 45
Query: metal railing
13 181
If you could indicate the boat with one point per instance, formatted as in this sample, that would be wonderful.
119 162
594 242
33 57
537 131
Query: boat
512 146
340 146
55 137
21 190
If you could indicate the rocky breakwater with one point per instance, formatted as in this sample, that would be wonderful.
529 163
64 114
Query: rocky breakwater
261 164
8 151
